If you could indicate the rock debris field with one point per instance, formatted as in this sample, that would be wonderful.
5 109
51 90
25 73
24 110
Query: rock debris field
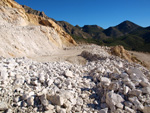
105 84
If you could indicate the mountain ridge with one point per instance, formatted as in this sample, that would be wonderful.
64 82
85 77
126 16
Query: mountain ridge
114 35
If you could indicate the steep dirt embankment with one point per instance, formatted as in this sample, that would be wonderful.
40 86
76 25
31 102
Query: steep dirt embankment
23 34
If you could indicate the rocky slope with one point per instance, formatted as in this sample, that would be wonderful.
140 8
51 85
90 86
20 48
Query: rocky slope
96 32
35 12
106 84
23 34
73 31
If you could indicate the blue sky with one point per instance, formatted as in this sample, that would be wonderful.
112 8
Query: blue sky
104 13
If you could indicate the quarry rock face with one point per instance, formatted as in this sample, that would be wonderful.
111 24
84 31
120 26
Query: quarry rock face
17 28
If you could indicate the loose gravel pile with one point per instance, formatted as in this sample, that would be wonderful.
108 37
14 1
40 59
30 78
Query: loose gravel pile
106 84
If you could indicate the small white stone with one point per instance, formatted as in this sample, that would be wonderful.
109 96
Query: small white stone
114 86
124 75
49 111
137 103
103 110
43 100
68 74
3 106
135 92
73 101
144 82
19 103
34 82
31 93
103 105
9 111
129 110
50 82
55 99
113 99
101 70
126 89
16 99
119 105
119 111
19 82
3 75
146 90
105 81
128 104
79 101
30 101
120 64
25 96
42 78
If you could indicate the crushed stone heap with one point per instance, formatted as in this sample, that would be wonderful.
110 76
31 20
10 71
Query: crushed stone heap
105 85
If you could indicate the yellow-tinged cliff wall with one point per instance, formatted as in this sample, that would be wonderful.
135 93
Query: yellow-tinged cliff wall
23 34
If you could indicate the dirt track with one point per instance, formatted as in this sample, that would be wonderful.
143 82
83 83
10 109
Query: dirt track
144 57
72 54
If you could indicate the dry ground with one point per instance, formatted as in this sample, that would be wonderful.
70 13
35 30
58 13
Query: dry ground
144 57
72 54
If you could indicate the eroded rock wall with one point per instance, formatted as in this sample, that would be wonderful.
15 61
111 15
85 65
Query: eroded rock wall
23 34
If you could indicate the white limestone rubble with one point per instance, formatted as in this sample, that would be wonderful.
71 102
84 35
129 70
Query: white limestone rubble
106 84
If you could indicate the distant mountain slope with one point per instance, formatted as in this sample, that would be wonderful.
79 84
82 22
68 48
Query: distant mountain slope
113 32
127 33
122 29
148 28
96 32
138 40
92 29
76 32
127 27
